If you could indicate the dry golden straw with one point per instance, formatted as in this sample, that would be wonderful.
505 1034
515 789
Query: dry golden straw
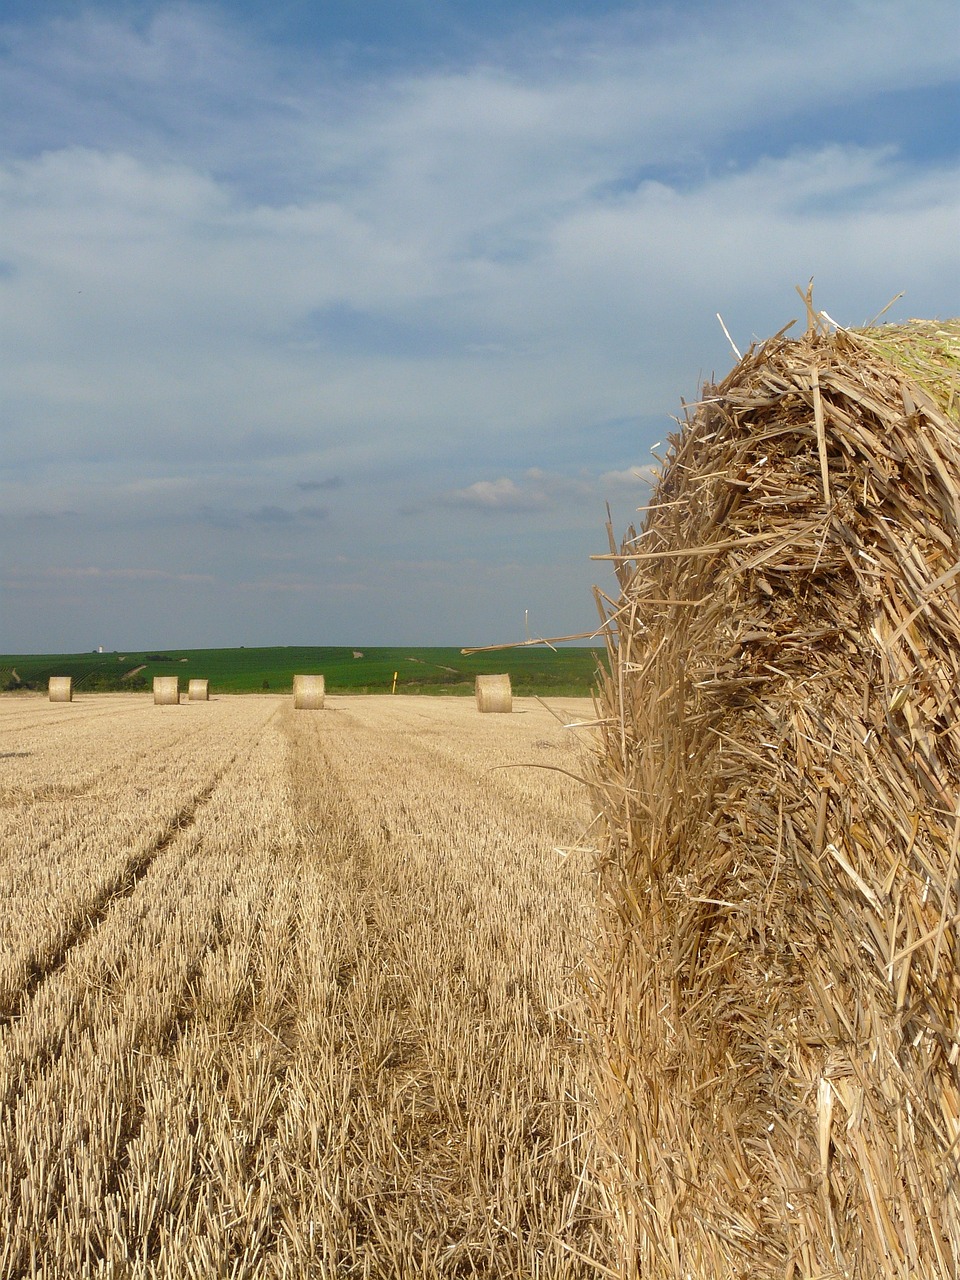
60 689
780 780
494 693
308 693
199 690
290 996
166 691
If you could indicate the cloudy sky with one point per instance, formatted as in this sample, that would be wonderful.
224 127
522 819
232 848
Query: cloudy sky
341 322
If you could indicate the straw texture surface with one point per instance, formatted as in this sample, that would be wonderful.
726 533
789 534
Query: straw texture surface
494 693
780 781
60 689
199 691
166 691
308 693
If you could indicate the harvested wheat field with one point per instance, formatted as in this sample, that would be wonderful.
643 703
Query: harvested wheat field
780 980
289 995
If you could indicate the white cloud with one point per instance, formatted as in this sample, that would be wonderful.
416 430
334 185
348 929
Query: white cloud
526 253
539 490
157 305
15 577
628 479
496 495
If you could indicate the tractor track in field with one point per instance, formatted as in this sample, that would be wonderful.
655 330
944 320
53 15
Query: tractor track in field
80 716
168 1036
286 1022
378 857
30 792
81 719
178 1026
121 887
132 1107
41 968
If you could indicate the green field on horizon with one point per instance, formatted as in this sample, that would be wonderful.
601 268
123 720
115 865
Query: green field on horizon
430 670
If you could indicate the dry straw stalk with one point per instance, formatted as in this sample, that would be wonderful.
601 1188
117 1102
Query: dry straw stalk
308 693
199 691
780 780
166 691
60 689
494 693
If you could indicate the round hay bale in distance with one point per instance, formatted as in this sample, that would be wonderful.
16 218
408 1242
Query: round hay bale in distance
308 693
494 693
166 691
199 691
60 689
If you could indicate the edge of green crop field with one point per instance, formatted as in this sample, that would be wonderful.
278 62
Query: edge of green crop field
534 670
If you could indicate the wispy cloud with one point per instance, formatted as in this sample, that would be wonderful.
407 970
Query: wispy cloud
313 486
538 489
85 573
237 272
496 495
268 516
284 516
628 479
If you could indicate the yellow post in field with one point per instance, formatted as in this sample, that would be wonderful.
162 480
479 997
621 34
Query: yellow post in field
394 689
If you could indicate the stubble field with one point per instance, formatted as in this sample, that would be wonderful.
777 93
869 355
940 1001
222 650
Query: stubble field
293 993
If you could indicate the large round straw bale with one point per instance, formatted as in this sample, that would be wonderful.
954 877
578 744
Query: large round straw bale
308 693
198 690
166 691
494 693
780 782
60 689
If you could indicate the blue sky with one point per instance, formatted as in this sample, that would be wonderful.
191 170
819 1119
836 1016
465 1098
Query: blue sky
341 323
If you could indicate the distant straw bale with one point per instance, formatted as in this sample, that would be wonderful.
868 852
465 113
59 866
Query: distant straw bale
166 691
780 779
198 690
60 689
308 693
494 693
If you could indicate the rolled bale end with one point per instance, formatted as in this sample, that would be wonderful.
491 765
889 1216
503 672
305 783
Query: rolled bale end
308 693
199 691
166 691
60 689
494 693
779 778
